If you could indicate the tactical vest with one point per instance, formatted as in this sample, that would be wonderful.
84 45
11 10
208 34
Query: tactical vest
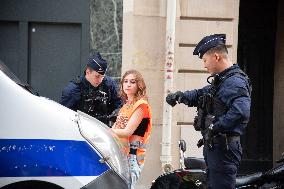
94 100
139 146
209 104
216 107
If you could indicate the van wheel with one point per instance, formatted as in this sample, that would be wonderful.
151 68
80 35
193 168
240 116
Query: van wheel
32 185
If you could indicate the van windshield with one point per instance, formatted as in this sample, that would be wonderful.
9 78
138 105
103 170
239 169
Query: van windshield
8 72
12 76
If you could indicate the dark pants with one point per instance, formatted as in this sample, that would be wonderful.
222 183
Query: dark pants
222 165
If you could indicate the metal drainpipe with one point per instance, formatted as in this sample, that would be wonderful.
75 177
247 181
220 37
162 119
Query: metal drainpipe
166 157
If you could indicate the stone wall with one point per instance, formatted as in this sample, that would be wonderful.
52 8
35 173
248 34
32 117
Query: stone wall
144 41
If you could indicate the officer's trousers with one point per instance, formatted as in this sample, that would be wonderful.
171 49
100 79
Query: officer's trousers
222 165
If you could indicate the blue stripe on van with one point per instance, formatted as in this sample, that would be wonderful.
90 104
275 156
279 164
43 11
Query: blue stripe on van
37 157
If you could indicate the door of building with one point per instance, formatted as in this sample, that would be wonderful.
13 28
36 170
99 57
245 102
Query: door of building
54 57
9 43
45 43
256 56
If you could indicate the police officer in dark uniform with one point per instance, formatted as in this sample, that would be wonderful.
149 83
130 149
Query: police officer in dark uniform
223 111
93 93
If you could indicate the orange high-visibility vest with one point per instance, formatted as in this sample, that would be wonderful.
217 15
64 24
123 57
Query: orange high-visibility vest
122 119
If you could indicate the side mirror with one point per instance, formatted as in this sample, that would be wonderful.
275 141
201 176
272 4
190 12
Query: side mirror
182 145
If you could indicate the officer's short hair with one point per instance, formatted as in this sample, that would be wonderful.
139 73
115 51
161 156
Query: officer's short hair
218 49
208 43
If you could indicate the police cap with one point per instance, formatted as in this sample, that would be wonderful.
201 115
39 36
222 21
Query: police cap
209 42
97 63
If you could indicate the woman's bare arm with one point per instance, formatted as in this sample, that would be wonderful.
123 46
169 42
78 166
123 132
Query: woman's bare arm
132 124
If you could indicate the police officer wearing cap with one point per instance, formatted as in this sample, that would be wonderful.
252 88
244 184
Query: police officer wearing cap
223 111
93 93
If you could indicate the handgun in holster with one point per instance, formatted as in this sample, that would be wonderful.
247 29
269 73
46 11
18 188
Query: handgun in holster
208 143
207 134
223 141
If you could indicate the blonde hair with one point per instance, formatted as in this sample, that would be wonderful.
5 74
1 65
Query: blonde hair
141 92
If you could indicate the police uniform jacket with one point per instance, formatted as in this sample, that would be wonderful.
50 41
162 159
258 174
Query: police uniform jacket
72 93
234 93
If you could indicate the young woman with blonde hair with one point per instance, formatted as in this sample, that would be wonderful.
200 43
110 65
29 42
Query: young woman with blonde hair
134 121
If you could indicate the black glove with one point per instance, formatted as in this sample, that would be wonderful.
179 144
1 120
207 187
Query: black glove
173 98
179 95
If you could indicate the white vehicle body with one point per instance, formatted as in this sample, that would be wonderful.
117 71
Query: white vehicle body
46 144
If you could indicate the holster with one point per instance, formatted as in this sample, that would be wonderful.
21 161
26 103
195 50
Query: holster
207 134
222 140
197 124
208 143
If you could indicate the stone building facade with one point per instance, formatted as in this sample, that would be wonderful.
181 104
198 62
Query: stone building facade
143 48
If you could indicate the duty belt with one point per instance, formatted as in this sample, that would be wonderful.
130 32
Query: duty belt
221 139
229 138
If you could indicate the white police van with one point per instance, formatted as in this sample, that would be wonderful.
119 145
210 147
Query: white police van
46 145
